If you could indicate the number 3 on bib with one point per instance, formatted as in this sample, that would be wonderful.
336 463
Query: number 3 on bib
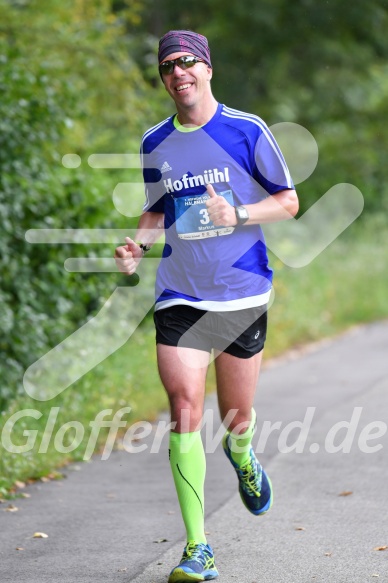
205 217
192 217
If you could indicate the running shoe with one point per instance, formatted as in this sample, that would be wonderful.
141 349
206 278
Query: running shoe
254 485
197 564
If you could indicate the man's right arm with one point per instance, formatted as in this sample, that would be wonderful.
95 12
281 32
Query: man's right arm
150 228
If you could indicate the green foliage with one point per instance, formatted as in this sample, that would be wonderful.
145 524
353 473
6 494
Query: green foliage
67 84
319 64
37 296
344 286
117 383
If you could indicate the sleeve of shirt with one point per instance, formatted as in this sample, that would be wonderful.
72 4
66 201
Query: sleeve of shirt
270 166
154 193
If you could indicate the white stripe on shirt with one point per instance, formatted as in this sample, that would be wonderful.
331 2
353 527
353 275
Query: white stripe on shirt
215 306
264 128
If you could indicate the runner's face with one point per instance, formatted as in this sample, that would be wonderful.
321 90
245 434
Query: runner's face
188 87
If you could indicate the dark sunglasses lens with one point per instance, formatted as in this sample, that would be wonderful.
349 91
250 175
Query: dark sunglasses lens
186 62
167 67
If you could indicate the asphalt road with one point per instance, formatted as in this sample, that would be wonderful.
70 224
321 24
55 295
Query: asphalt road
117 520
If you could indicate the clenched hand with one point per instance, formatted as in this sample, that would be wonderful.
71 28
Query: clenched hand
221 213
128 257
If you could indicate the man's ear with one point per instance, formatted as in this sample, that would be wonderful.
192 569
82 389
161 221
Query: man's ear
210 73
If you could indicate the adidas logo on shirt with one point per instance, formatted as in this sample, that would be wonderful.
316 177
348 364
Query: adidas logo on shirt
166 167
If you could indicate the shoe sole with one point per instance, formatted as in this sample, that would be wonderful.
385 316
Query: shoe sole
180 576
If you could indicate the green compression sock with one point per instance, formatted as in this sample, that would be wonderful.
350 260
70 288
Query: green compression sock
188 465
241 443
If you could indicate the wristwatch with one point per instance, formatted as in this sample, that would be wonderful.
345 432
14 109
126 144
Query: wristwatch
241 214
144 248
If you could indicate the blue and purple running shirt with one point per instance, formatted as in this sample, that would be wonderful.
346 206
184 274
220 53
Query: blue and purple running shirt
204 266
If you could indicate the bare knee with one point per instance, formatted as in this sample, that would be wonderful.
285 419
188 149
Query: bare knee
240 421
185 386
186 411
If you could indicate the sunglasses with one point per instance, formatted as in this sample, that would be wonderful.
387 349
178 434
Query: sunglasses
167 67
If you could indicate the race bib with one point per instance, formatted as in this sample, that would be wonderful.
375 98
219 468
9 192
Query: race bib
192 218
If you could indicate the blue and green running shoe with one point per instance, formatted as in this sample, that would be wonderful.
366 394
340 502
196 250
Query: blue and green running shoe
254 485
197 564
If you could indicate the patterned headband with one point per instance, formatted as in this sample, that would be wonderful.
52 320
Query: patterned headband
184 41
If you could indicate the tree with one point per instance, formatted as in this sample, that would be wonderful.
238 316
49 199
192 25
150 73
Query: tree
321 65
68 84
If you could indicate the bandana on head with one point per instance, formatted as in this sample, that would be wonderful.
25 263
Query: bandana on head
184 41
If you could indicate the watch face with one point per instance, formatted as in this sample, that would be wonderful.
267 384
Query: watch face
242 214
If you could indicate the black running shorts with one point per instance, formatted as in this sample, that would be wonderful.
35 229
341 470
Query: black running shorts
241 333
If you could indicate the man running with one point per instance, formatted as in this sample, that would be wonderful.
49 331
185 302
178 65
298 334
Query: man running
212 176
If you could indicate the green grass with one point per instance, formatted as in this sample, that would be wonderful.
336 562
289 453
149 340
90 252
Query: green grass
128 378
344 286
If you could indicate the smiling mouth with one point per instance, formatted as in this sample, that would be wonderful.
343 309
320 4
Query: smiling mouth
183 87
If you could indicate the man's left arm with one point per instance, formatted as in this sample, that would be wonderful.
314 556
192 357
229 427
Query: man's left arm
277 207
280 206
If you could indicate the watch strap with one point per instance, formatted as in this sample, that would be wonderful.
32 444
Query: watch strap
144 247
241 214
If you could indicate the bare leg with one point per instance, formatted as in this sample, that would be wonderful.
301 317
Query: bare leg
236 386
236 382
184 380
185 385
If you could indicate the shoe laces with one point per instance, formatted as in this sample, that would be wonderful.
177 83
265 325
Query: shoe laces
250 477
194 551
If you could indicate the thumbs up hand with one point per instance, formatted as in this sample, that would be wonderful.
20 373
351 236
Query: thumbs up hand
221 213
128 257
